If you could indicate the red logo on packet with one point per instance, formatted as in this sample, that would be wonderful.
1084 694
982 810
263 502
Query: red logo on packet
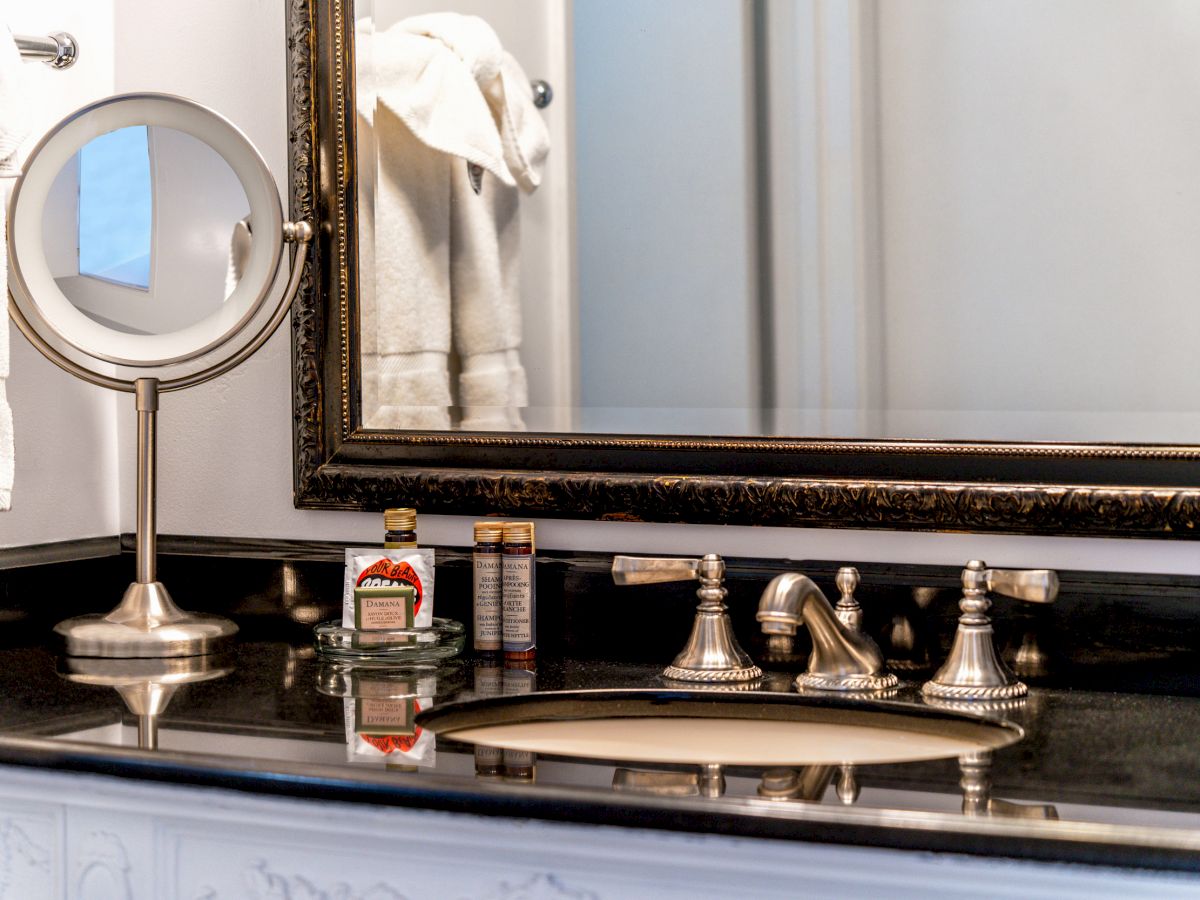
392 743
386 573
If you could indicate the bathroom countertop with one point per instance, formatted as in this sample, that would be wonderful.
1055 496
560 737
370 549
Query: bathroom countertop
1119 769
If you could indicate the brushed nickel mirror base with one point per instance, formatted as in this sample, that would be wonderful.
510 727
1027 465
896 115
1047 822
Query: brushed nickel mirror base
146 624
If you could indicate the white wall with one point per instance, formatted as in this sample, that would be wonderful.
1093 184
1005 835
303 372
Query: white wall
225 448
65 431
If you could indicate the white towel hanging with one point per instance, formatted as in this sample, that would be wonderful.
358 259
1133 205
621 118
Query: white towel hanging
442 93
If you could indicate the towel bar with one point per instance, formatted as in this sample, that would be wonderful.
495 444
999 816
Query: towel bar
59 49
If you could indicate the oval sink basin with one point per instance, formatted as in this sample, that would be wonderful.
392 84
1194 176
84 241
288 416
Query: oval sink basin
739 729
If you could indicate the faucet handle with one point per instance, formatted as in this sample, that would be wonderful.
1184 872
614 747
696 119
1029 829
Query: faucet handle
656 569
712 654
1030 585
973 671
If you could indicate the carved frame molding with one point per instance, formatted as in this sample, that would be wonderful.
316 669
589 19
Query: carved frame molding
1142 490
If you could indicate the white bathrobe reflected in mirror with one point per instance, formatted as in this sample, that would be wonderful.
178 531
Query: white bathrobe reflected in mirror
448 139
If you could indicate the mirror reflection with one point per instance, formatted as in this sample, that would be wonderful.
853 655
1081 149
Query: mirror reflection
943 219
134 234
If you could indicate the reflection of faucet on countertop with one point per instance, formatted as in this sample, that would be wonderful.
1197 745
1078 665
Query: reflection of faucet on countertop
809 783
976 784
843 658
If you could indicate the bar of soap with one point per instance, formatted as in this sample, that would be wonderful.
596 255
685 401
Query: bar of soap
384 608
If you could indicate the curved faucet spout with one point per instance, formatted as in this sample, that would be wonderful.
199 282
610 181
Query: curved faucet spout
842 658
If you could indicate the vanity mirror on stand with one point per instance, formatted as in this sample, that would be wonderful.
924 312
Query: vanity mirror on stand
145 239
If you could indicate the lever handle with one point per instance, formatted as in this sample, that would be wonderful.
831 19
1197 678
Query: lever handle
1030 585
651 569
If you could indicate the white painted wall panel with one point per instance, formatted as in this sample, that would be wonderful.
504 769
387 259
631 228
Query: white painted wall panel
65 483
112 837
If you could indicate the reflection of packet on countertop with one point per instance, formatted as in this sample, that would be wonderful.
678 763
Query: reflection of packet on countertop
368 601
384 730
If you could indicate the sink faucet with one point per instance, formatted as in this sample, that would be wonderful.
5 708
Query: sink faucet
843 658
712 654
973 671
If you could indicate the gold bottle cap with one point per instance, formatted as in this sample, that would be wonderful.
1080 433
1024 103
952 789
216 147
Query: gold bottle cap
518 532
402 519
489 532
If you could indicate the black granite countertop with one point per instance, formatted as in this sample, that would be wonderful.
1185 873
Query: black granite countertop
1099 776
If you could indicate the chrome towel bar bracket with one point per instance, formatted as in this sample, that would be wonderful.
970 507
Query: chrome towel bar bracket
59 50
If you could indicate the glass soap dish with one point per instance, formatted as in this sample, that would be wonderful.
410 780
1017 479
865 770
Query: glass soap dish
444 639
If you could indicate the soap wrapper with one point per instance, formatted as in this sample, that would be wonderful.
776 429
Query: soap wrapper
374 595
384 608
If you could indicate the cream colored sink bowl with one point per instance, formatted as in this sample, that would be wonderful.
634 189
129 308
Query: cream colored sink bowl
738 729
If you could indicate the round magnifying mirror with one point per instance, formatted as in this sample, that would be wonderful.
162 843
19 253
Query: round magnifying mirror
145 240
140 244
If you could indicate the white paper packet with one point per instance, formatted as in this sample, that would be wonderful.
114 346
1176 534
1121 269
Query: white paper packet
367 567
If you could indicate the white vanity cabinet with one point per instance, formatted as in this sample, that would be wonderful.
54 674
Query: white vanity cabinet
89 836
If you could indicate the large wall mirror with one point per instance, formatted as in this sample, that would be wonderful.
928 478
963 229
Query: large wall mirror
926 264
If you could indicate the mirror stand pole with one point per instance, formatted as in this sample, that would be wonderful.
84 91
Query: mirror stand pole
146 395
146 623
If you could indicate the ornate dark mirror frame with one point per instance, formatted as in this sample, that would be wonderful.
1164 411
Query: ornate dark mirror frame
1144 490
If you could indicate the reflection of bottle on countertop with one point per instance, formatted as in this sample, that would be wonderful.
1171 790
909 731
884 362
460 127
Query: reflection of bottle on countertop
520 677
520 602
489 762
520 765
488 679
